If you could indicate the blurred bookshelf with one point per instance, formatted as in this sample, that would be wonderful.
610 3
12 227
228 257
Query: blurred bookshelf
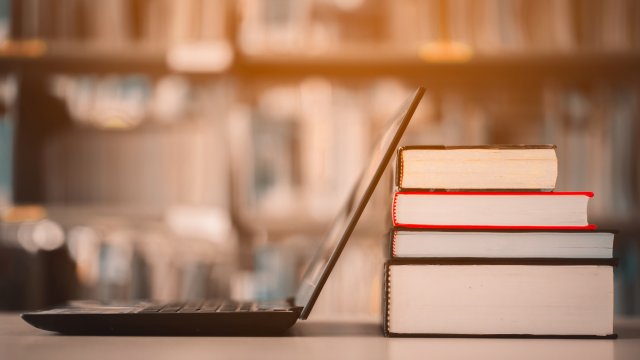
255 117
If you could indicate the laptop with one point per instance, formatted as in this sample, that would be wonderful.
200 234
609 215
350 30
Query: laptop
227 317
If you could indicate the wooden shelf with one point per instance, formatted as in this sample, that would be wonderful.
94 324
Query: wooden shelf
516 67
355 62
81 58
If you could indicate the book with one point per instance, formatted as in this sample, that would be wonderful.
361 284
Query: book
461 243
500 167
491 210
499 298
443 243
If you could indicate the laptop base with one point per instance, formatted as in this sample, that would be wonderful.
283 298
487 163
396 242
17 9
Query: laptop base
190 322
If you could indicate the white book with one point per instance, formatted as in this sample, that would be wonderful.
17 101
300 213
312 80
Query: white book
500 299
487 210
525 167
411 243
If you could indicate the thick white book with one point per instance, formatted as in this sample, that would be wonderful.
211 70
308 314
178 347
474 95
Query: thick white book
500 297
425 243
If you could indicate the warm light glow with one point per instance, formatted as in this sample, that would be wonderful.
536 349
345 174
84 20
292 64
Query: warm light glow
116 123
348 5
25 237
24 213
84 247
199 222
48 235
200 57
26 48
446 51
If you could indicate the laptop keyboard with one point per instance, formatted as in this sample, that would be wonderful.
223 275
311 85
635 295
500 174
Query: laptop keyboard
201 307
212 306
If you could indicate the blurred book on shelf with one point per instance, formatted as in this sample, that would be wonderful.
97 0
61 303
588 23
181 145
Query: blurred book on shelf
434 30
482 27
299 148
596 127
157 23
8 90
138 141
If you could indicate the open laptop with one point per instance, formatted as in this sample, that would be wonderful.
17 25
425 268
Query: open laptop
226 317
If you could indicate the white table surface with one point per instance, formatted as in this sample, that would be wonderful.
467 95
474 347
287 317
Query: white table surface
312 339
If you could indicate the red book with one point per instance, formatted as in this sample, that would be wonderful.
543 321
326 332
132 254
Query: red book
492 210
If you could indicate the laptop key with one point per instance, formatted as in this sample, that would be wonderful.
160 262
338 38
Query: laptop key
210 306
191 306
170 309
227 307
272 307
152 308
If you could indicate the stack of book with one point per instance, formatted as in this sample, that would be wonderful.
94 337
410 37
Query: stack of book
483 246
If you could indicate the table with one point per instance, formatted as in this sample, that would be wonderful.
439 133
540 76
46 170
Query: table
313 339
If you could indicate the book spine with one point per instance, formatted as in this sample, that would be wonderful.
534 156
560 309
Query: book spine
392 243
387 299
394 209
399 168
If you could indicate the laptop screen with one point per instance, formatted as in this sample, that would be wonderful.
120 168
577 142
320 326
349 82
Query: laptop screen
326 256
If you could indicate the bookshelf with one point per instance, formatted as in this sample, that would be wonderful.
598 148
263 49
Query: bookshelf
496 71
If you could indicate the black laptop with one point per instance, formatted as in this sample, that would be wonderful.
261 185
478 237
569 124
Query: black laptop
227 317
